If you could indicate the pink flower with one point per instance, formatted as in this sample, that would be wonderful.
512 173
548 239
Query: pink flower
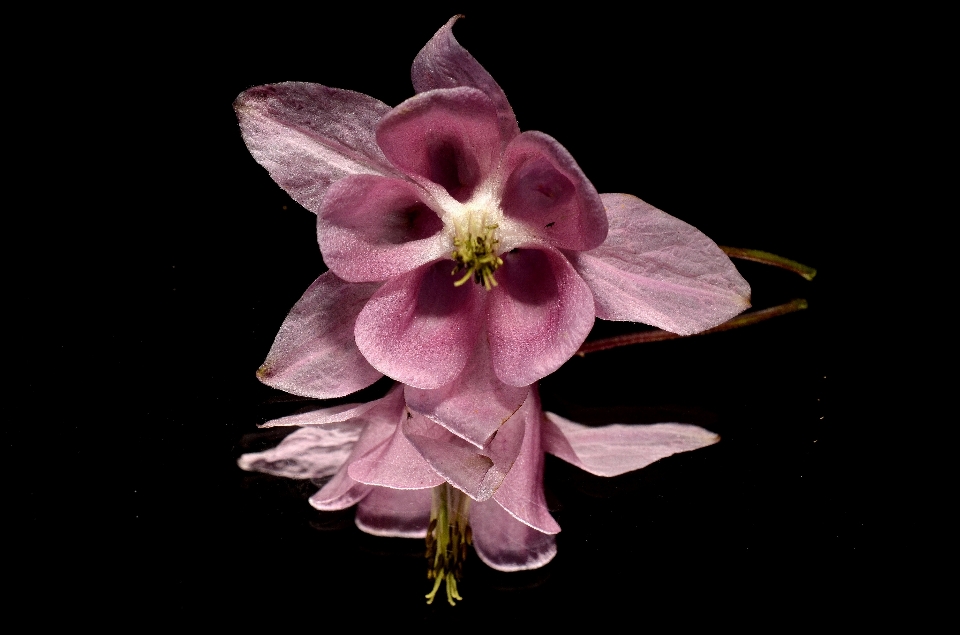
386 458
445 183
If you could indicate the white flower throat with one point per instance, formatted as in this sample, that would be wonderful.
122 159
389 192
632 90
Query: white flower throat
476 226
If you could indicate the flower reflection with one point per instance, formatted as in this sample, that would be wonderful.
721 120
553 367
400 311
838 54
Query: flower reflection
408 475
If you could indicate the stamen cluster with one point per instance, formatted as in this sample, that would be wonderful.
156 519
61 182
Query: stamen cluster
477 255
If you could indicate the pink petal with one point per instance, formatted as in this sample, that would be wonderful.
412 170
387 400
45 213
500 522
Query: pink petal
448 137
475 404
521 492
617 449
307 136
419 329
346 494
395 513
656 269
395 463
505 543
322 416
546 190
372 228
478 472
443 63
538 316
306 453
379 422
314 354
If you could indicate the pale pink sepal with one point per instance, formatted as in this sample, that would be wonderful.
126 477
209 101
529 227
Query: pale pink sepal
506 544
322 416
314 354
379 422
477 472
443 63
371 228
307 136
395 513
521 492
546 190
307 452
395 463
448 137
419 329
616 449
475 404
656 269
538 315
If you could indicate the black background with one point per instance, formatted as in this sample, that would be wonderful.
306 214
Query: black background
741 125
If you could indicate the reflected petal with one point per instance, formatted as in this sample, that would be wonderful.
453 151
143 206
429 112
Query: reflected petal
617 449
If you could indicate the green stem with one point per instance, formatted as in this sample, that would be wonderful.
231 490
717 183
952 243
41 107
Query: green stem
768 258
658 335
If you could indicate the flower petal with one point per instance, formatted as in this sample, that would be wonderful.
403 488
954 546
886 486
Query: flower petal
617 449
307 136
656 269
443 63
314 354
371 228
546 190
506 544
419 329
521 492
448 137
307 452
395 513
478 472
538 315
379 421
475 404
322 416
395 463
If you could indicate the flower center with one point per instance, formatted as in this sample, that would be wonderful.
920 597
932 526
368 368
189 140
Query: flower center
447 540
475 252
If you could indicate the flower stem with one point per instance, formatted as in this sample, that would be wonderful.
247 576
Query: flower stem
767 258
657 335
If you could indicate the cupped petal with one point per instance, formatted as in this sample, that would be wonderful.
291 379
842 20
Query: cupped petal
443 63
307 453
521 492
546 190
506 544
395 463
420 329
307 136
372 228
477 472
314 354
656 269
475 404
538 315
449 137
395 513
617 449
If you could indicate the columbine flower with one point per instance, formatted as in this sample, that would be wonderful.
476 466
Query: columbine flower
467 259
408 475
